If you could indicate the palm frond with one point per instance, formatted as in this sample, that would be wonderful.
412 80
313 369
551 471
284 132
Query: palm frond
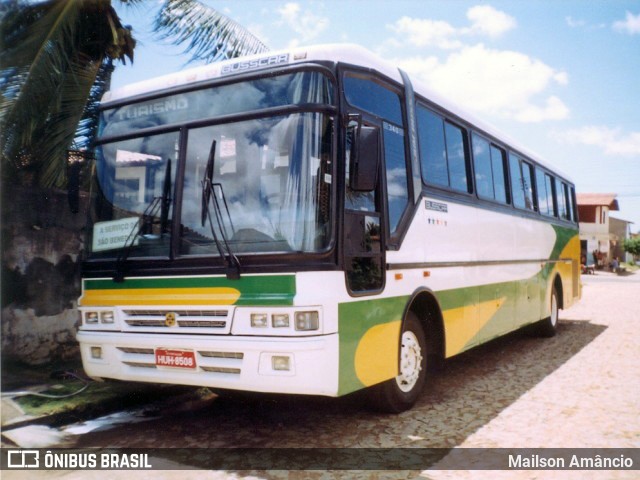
38 61
208 34
87 129
52 52
63 123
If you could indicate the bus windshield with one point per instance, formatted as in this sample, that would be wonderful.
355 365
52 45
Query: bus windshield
272 177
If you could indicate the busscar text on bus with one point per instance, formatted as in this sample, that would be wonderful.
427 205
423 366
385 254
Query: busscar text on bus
312 222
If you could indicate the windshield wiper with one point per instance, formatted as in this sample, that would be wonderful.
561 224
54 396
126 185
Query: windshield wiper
232 263
160 204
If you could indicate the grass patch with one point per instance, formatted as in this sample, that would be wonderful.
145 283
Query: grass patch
96 399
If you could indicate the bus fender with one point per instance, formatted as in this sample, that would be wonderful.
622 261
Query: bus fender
424 303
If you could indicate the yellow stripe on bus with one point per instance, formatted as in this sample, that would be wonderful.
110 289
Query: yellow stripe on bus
161 296
377 354
464 323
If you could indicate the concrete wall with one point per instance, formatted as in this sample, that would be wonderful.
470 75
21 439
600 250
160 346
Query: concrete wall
41 247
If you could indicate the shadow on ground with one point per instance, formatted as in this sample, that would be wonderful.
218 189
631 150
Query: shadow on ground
466 394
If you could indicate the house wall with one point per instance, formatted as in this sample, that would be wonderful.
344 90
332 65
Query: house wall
594 228
41 246
620 230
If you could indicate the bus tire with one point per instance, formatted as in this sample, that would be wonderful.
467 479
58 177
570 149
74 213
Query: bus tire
548 327
401 393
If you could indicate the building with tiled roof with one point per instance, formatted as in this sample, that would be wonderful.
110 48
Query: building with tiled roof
597 242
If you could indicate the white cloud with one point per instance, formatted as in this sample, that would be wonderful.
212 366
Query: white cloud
426 33
573 23
503 83
612 141
583 24
553 109
496 82
484 21
306 24
489 21
630 25
562 78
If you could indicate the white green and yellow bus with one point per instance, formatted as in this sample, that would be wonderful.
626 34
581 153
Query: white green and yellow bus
312 222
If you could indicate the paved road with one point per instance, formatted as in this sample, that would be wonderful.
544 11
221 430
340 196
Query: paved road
578 389
593 399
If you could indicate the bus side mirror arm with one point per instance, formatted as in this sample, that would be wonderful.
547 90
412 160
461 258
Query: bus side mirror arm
364 158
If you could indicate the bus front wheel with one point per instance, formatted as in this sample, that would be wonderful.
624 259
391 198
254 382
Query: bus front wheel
402 392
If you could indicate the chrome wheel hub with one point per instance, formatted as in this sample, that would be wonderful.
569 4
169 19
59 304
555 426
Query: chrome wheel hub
410 362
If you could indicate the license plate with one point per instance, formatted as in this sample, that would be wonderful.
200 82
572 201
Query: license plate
166 357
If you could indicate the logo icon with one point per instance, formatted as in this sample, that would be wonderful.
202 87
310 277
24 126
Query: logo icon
170 319
23 459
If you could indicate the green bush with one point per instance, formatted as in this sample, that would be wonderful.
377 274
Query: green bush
632 245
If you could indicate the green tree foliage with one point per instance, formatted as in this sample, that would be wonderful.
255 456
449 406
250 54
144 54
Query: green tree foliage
56 60
632 245
52 53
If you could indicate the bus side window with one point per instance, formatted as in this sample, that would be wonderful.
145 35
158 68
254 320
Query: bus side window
482 163
522 183
500 183
433 153
457 157
527 175
443 153
489 170
572 201
369 94
517 182
364 268
561 199
550 183
545 193
396 172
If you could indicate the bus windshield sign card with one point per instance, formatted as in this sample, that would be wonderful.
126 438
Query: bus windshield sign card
113 234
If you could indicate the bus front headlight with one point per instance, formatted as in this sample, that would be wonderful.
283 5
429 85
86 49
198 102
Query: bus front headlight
259 320
306 321
280 320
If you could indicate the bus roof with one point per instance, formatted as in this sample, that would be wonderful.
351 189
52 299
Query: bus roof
340 53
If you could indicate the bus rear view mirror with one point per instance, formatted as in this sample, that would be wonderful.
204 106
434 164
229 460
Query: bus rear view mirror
364 159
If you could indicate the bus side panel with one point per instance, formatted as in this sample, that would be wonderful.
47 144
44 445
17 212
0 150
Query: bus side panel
369 341
565 263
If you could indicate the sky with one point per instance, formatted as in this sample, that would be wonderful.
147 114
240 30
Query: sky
562 78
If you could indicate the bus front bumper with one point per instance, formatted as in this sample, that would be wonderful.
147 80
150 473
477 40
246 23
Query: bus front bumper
300 365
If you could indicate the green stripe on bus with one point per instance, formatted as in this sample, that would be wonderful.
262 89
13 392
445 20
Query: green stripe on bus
254 290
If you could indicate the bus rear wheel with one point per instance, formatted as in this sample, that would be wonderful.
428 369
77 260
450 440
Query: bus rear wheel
401 393
548 327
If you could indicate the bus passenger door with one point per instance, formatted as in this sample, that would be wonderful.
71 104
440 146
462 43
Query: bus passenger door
363 235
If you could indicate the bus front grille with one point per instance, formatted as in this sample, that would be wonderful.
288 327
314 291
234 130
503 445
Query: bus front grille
179 321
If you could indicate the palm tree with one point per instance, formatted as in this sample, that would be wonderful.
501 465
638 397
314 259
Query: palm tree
57 58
